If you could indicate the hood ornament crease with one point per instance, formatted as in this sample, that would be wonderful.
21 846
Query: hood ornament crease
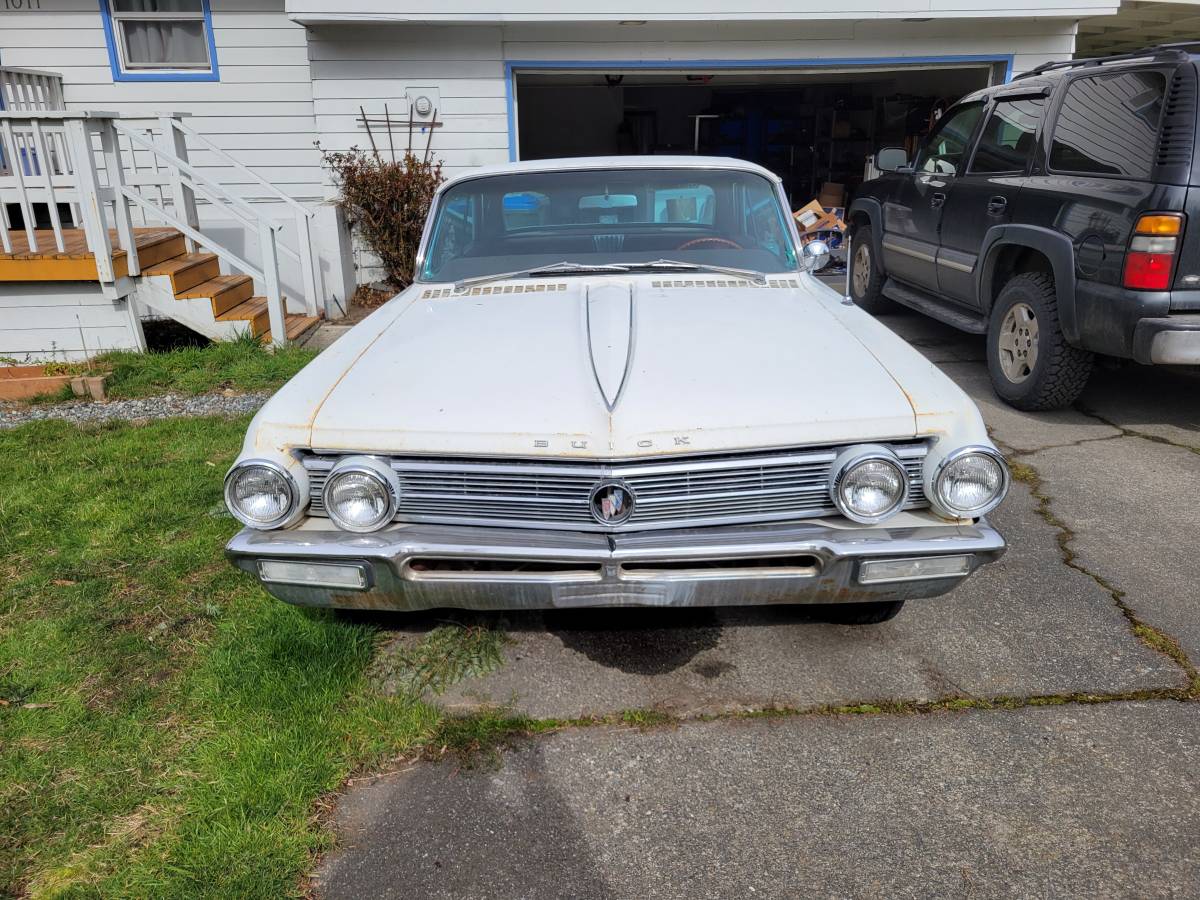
609 314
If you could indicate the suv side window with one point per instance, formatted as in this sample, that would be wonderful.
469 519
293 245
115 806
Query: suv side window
1108 125
944 149
1008 137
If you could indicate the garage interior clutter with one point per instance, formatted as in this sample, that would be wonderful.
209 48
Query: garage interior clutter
817 130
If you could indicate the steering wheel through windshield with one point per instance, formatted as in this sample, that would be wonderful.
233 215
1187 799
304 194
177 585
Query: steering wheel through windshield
696 242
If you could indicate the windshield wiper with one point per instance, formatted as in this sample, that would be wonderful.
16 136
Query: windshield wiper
677 265
558 268
574 268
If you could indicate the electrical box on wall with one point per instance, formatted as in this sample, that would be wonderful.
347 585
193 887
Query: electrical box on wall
423 102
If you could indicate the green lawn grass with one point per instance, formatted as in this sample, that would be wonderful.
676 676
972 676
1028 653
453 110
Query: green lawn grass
242 365
166 728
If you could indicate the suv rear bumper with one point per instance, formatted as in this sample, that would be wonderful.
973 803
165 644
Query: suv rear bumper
1152 327
1168 341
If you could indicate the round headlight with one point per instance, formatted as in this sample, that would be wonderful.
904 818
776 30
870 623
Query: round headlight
260 494
869 484
971 482
361 494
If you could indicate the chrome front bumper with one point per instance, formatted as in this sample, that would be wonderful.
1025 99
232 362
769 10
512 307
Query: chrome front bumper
415 567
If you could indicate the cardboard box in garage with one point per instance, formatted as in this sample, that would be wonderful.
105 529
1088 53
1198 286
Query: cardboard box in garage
832 194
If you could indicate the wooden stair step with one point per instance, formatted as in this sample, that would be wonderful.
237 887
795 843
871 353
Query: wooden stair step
151 234
225 292
253 311
294 326
188 270
297 325
154 248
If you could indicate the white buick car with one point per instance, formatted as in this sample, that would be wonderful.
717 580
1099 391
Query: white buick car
615 382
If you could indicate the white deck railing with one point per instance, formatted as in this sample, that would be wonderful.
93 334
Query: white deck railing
30 90
38 166
117 172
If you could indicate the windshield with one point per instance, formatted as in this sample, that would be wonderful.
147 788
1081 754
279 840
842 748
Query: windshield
514 222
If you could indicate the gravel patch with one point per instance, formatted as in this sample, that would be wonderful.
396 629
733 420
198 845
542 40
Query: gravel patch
167 406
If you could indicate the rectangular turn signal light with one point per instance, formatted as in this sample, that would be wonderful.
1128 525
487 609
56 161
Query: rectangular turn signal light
1150 259
327 575
879 571
1160 224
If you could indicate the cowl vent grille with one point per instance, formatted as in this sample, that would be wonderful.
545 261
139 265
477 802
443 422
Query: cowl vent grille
1178 120
725 283
488 290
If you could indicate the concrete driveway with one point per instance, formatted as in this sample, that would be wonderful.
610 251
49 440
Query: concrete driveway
1030 733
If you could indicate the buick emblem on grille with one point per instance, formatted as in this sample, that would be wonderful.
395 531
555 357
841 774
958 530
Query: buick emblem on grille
612 503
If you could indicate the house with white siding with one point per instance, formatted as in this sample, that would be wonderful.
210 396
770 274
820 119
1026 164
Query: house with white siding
197 123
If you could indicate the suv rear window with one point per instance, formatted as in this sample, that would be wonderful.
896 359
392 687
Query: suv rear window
1108 125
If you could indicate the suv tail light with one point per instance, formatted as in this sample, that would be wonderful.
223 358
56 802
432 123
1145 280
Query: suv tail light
1151 255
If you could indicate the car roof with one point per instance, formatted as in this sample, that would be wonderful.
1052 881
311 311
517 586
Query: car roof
591 163
1056 72
1024 86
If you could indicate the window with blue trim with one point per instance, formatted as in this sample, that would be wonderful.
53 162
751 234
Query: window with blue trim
160 40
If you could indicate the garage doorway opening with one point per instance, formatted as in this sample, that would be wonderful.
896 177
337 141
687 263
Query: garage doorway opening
812 128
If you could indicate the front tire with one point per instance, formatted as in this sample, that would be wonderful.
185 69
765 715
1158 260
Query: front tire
866 277
1031 365
858 613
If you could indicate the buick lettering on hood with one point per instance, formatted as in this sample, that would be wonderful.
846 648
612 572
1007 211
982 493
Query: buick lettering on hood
615 382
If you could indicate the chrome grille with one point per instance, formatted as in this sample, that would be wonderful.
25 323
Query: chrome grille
671 493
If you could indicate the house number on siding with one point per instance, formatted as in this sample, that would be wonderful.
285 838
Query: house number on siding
14 5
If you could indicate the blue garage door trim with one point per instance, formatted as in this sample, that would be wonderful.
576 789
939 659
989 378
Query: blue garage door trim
512 68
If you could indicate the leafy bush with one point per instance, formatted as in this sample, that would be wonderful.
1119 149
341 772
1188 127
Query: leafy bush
386 202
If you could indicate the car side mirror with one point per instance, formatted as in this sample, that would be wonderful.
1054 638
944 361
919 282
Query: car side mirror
816 255
891 159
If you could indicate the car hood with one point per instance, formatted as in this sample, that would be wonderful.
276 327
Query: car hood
611 367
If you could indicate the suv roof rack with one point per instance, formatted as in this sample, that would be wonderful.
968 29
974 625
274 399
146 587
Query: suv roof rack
1175 51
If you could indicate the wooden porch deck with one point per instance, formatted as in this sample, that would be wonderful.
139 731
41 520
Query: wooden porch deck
161 252
76 263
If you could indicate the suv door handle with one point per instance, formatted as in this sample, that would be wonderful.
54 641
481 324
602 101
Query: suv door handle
997 205
936 200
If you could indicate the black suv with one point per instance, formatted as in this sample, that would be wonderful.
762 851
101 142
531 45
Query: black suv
1058 214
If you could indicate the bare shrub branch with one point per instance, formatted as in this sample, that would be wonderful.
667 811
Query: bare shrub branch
385 203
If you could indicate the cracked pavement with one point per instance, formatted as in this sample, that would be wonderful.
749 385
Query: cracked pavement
1087 626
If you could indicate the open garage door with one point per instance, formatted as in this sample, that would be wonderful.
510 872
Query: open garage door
813 128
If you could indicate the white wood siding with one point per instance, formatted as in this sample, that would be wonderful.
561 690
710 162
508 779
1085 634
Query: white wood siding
281 88
495 11
360 65
63 321
357 65
261 110
1031 41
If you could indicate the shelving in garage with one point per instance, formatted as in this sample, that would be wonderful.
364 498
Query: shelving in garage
809 126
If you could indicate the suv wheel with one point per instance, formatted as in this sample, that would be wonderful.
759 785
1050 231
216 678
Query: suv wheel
866 278
1031 364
